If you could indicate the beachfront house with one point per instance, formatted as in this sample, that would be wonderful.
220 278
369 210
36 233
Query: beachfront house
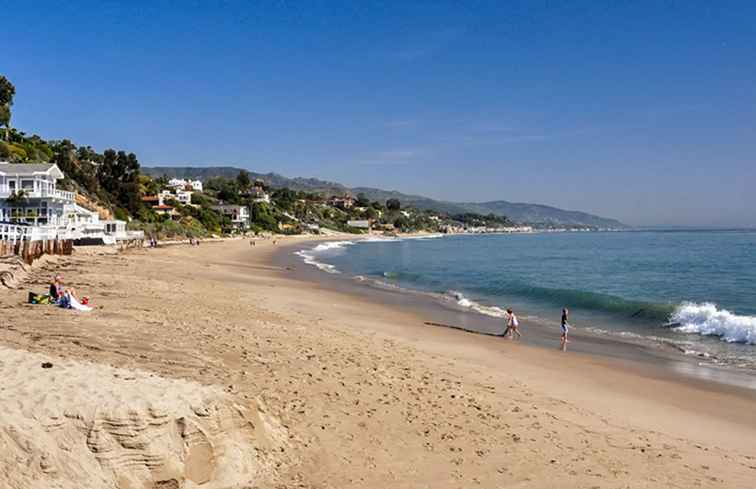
239 214
28 195
32 204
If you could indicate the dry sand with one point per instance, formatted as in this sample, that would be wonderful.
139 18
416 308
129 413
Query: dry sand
210 367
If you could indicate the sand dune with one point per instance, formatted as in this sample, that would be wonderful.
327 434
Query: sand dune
78 424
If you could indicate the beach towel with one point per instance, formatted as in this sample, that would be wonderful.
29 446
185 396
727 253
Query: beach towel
35 298
70 302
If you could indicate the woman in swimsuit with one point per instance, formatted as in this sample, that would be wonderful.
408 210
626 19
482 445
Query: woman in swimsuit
513 325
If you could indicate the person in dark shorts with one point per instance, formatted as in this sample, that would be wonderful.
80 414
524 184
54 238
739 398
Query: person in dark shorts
564 328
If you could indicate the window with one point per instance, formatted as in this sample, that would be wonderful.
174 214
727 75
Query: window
27 184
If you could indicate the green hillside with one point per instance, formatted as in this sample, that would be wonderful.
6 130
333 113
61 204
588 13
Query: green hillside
536 214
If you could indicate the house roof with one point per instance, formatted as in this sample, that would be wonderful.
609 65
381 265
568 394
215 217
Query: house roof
30 169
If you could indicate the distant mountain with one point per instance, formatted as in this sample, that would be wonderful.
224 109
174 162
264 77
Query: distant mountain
537 214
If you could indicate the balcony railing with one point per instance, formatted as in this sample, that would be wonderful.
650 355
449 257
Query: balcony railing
17 232
5 192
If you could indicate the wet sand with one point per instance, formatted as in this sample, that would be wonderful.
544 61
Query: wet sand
347 391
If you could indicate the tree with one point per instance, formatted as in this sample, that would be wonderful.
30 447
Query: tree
243 181
229 192
362 200
261 214
7 92
393 204
402 223
284 198
119 177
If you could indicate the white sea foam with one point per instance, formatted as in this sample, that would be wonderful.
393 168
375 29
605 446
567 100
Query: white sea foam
705 319
467 303
331 245
310 260
380 239
424 236
396 239
309 255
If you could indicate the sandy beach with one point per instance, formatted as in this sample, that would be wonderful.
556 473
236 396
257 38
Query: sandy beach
216 367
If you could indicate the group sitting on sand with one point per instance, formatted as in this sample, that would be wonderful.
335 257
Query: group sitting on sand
65 297
513 328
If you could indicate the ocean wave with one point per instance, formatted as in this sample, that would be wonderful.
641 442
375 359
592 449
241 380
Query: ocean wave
380 239
309 259
396 239
309 255
331 245
707 320
425 236
582 299
462 301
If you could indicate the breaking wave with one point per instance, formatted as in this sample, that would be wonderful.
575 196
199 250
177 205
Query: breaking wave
309 255
706 320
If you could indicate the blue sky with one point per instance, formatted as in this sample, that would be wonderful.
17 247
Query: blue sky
644 111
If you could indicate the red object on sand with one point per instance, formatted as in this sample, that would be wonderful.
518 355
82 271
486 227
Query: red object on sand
85 300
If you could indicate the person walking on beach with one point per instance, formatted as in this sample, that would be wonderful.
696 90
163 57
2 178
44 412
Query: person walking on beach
513 325
565 328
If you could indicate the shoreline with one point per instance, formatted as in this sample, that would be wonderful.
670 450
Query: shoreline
667 357
350 392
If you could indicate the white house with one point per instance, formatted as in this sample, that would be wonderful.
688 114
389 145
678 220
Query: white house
359 224
184 196
180 183
30 201
181 196
258 194
38 202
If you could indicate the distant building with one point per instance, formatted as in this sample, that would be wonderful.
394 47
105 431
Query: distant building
258 194
179 195
180 183
239 214
344 202
359 224
288 226
157 203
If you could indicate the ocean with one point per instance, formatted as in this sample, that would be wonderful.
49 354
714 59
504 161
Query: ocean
692 290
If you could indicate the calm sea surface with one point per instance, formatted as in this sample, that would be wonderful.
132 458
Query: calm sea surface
694 290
